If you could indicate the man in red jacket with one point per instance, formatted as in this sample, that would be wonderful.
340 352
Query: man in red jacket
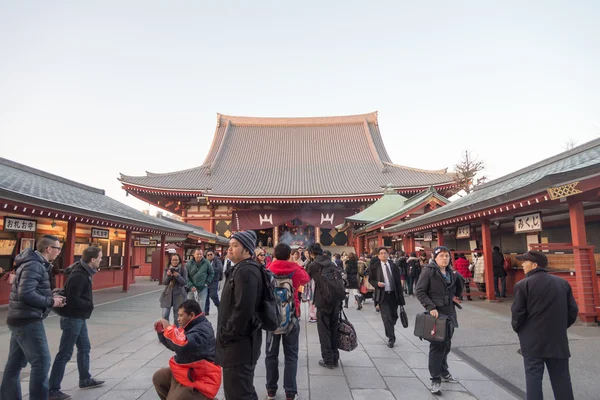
282 267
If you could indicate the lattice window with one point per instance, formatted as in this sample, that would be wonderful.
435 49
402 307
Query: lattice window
564 191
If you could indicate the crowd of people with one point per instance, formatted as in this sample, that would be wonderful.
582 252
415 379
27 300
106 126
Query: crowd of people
206 358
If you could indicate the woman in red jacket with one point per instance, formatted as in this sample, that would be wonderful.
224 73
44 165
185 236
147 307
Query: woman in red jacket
462 266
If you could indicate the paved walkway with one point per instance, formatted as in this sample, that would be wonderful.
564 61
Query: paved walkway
125 352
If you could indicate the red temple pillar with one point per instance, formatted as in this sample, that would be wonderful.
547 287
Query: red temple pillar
68 249
161 258
413 244
212 221
486 238
586 292
379 240
440 235
127 262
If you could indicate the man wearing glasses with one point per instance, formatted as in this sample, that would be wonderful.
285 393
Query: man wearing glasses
30 302
213 286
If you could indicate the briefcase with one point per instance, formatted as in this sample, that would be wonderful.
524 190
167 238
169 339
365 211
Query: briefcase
432 329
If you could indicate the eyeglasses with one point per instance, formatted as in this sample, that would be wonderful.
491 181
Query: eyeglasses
56 247
260 255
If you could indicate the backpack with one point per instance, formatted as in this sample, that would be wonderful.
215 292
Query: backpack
332 286
413 268
283 290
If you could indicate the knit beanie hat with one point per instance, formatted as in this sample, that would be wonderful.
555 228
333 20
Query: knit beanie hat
438 250
247 239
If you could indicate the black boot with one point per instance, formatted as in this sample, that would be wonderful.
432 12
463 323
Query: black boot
346 301
358 298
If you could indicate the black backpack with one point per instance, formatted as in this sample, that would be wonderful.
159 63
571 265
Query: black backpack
332 286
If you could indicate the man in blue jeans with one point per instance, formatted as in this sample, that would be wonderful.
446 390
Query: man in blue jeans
282 267
79 307
30 302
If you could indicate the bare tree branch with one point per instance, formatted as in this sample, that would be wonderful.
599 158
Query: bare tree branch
466 171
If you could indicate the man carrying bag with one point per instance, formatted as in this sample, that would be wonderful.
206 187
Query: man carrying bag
437 286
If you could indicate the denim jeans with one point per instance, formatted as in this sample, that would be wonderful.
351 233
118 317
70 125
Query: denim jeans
202 295
290 352
213 294
74 333
166 312
28 343
503 282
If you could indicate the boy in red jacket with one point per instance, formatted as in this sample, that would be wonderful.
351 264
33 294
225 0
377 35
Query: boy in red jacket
282 266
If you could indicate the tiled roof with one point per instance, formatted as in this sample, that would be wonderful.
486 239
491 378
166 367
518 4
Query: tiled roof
407 206
196 230
270 157
24 184
389 202
562 168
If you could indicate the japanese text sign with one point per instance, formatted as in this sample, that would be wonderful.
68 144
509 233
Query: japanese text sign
528 223
19 224
463 232
100 233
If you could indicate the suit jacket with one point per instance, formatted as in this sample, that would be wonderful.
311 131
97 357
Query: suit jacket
376 276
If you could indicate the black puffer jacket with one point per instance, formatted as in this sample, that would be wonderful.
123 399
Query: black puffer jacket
314 271
78 289
199 343
31 296
352 274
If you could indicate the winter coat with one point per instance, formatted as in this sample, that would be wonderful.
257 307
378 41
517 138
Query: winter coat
30 297
314 271
352 274
435 293
479 270
543 309
402 266
376 276
299 276
462 267
498 263
217 267
194 347
78 290
199 275
239 336
175 292
413 268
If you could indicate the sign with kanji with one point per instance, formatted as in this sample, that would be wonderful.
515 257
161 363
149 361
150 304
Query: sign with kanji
19 224
100 233
528 223
145 243
463 232
427 236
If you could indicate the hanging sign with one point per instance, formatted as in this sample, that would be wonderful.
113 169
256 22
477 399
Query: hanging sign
528 223
19 224
427 236
145 243
100 233
463 232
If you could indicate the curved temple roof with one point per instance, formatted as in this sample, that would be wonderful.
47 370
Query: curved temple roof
270 157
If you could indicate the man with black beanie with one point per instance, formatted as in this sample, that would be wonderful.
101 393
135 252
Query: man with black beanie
239 335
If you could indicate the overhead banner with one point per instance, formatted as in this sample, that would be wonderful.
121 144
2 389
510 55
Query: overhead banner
261 219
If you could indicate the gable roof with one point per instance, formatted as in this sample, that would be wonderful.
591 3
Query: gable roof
24 184
196 230
270 157
389 202
573 164
407 206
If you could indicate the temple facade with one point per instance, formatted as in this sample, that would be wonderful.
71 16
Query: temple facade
290 179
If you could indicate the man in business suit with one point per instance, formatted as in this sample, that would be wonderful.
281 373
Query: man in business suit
385 278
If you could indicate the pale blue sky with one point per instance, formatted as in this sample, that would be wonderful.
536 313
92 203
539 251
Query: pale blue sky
89 89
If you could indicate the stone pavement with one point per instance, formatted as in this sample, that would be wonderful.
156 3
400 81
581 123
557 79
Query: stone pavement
126 353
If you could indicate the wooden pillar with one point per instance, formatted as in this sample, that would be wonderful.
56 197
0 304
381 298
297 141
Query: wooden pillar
486 238
413 244
161 258
127 262
69 246
212 221
586 292
276 235
317 235
379 240
440 235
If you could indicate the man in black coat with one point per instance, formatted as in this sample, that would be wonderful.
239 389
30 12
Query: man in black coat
436 289
79 307
213 287
543 309
384 276
239 336
499 272
30 302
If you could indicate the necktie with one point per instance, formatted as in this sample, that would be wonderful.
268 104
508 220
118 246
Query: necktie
389 274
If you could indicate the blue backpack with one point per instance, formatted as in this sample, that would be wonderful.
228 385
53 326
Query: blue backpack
283 290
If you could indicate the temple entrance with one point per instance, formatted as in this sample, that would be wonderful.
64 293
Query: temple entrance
296 233
264 237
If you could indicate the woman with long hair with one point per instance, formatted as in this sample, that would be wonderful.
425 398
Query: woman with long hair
175 280
352 278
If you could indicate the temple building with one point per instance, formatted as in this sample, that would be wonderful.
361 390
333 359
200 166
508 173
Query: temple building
291 179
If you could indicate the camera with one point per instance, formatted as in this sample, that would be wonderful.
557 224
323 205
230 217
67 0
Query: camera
172 269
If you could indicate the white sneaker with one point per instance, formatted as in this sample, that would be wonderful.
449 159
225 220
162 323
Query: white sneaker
436 388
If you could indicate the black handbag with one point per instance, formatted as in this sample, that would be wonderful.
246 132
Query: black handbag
403 317
430 328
